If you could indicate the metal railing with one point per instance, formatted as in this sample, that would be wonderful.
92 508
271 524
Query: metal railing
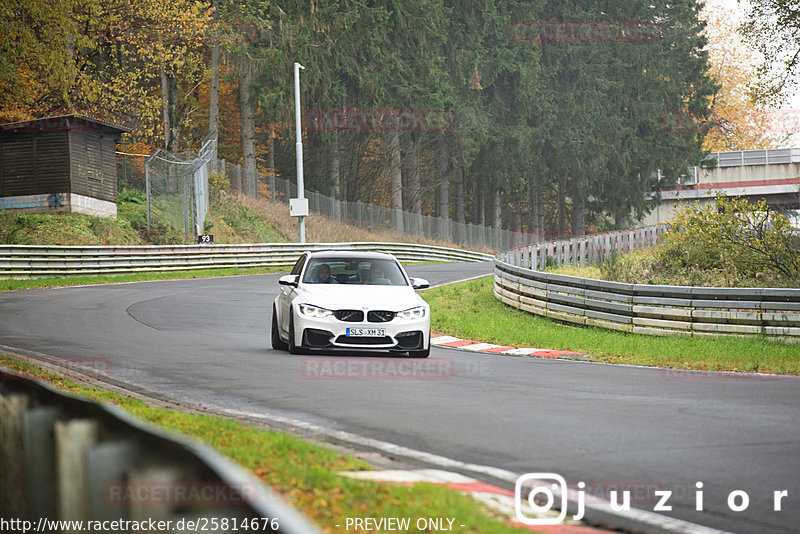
772 156
582 251
68 459
519 281
36 261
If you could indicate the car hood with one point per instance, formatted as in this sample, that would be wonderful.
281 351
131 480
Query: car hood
347 296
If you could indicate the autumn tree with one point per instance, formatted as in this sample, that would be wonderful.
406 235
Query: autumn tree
737 120
773 27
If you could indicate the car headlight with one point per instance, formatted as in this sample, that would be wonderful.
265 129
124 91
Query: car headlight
314 312
413 313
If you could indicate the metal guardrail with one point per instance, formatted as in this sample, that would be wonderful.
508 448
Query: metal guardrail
34 261
651 309
67 459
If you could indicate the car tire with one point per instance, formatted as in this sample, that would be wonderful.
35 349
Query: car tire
420 353
277 342
293 349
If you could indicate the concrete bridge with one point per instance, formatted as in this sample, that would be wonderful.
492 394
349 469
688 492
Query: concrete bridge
773 175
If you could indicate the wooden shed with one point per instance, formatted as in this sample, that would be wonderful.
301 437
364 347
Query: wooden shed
59 164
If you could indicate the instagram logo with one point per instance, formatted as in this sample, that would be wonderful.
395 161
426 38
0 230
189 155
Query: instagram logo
540 487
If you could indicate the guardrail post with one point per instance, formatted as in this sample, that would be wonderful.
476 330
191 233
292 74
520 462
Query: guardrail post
73 439
153 476
108 464
13 482
40 461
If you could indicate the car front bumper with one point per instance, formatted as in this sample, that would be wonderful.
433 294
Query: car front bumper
329 332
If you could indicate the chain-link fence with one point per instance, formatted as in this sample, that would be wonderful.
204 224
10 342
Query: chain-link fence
374 217
179 191
175 187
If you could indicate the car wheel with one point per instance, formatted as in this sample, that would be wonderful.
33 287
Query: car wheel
277 342
293 349
420 353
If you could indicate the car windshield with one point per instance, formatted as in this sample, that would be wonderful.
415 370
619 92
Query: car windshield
354 271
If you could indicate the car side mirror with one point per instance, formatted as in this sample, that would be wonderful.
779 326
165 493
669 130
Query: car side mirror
288 280
420 283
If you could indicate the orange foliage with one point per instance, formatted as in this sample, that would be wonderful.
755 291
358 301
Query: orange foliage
738 123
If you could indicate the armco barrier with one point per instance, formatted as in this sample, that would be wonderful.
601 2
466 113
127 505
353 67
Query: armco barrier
67 459
651 309
35 261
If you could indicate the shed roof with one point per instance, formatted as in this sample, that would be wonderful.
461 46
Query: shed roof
63 123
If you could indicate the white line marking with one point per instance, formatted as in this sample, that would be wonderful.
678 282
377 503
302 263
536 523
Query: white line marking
521 352
435 476
669 524
480 346
443 339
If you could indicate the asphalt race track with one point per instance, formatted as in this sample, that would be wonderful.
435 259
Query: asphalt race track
206 342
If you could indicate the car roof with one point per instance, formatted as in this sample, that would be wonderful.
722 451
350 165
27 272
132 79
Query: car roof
350 254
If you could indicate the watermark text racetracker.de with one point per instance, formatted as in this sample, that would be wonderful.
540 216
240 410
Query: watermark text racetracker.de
379 120
174 526
179 493
537 496
585 31
376 368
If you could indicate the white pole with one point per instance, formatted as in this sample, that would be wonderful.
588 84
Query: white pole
299 145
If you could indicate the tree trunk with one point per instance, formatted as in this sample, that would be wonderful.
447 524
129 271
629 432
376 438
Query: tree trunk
534 208
165 107
174 114
498 212
333 165
395 162
562 206
619 220
578 210
480 196
250 171
460 194
271 155
540 204
443 170
271 172
333 171
414 178
213 95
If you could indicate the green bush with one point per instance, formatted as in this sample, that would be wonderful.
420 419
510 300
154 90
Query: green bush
733 235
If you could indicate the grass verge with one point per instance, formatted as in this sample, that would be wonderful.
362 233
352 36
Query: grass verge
58 281
307 475
470 310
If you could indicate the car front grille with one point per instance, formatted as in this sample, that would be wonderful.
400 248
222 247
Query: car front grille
380 316
350 316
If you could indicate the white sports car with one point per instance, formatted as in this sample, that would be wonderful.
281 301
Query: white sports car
337 299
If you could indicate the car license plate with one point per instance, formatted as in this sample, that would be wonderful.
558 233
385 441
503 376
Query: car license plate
366 332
